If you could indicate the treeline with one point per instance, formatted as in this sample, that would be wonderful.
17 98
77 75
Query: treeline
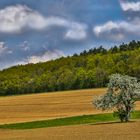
89 69
123 47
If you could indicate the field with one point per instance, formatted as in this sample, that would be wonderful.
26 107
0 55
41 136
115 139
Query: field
26 108
114 131
47 106
44 106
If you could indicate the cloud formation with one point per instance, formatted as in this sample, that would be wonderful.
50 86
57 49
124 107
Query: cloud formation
18 18
77 32
25 46
122 29
48 55
117 30
33 34
130 6
4 49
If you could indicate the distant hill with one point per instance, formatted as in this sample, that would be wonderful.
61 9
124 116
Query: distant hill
88 69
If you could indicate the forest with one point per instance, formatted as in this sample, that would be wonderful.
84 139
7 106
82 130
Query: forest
89 69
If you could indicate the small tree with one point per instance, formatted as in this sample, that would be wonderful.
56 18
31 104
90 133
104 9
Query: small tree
121 95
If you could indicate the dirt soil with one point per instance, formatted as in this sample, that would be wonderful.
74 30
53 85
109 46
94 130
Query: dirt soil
112 131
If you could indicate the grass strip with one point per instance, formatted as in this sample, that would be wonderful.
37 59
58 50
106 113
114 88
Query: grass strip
85 119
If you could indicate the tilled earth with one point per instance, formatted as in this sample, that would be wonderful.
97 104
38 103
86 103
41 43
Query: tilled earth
108 131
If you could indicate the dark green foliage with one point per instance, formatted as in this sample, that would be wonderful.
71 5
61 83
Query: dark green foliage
120 114
85 119
90 69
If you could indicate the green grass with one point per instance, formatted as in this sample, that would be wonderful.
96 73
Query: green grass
85 119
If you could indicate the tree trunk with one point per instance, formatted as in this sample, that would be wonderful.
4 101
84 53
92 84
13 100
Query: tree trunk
127 115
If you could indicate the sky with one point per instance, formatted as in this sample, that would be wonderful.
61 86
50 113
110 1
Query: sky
37 31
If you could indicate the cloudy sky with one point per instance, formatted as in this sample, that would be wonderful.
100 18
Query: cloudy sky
37 31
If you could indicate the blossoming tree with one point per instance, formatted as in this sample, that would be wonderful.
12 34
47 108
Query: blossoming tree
122 93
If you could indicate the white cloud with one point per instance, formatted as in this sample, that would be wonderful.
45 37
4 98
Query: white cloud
15 19
77 32
2 47
75 35
25 46
48 55
130 6
117 30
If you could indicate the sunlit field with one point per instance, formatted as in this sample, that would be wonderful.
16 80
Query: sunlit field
45 106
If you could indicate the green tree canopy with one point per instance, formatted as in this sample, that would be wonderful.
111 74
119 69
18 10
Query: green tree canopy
90 69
